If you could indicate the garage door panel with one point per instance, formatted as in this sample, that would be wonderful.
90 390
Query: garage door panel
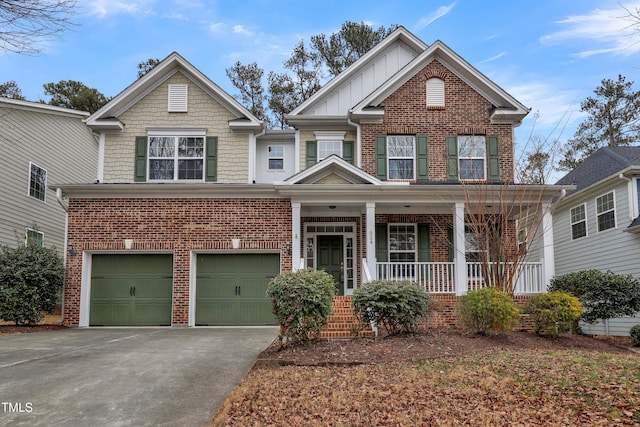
131 289
231 289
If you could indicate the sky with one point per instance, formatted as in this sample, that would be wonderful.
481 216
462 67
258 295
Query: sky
548 54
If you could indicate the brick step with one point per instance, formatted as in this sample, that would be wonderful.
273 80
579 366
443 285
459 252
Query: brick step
343 323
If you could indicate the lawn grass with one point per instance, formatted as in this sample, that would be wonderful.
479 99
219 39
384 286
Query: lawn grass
505 388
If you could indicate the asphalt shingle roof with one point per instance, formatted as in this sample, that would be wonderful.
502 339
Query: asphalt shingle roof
601 164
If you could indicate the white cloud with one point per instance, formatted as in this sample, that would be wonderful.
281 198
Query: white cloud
434 16
241 29
493 58
612 29
217 28
104 8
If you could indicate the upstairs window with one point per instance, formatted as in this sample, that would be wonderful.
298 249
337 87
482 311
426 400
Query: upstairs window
176 158
327 148
605 211
401 156
435 92
472 157
578 222
37 182
276 157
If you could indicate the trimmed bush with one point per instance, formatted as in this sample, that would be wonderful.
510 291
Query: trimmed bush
634 333
488 310
302 302
31 278
553 311
397 306
602 295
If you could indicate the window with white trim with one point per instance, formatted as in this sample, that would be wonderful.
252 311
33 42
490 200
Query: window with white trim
473 247
327 148
435 92
401 151
402 243
34 237
605 211
578 221
276 157
37 182
472 152
176 158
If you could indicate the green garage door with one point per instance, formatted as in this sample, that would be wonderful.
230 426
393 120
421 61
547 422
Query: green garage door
131 290
231 288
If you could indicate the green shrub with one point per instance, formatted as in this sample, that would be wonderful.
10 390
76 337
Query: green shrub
488 310
31 278
397 306
634 333
602 295
302 301
553 311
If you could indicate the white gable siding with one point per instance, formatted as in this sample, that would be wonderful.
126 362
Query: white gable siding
612 249
379 70
62 145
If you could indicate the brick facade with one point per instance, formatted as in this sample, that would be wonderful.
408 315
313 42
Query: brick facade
176 226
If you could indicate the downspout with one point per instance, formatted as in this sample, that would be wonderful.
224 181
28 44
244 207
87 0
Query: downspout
64 248
253 142
630 192
358 142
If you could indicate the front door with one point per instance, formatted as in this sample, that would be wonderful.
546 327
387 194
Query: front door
330 259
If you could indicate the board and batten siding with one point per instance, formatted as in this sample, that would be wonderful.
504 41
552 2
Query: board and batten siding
56 141
612 249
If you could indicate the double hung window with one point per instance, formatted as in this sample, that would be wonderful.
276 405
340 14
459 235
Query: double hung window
578 222
472 157
37 182
605 210
401 156
176 158
276 157
402 243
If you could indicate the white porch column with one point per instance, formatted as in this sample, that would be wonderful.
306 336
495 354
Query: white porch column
295 236
546 247
371 239
460 266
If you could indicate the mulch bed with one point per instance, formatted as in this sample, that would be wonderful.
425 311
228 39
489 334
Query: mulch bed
24 329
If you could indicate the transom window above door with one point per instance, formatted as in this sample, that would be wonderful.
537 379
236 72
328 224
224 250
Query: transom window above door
176 158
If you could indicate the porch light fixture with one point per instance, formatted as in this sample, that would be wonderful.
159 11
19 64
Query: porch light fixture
287 248
71 249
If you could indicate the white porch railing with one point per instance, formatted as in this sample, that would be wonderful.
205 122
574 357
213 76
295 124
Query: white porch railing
438 277
435 277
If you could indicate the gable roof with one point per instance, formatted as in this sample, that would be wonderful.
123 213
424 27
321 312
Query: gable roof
602 164
346 89
40 107
106 118
332 165
507 109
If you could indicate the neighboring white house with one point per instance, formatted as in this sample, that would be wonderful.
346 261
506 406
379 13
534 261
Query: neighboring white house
598 225
40 145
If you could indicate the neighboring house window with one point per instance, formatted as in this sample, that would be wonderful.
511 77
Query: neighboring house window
37 181
401 156
435 92
276 157
34 236
471 157
327 148
177 99
176 158
605 210
402 243
578 222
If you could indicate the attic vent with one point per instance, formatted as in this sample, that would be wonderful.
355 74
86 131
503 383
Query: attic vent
435 92
178 98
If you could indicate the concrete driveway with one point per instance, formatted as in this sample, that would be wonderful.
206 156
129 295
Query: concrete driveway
123 376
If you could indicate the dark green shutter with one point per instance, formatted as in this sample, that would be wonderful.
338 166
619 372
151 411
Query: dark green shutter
451 253
211 169
312 153
423 157
493 159
382 254
424 243
140 174
381 157
347 151
452 158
